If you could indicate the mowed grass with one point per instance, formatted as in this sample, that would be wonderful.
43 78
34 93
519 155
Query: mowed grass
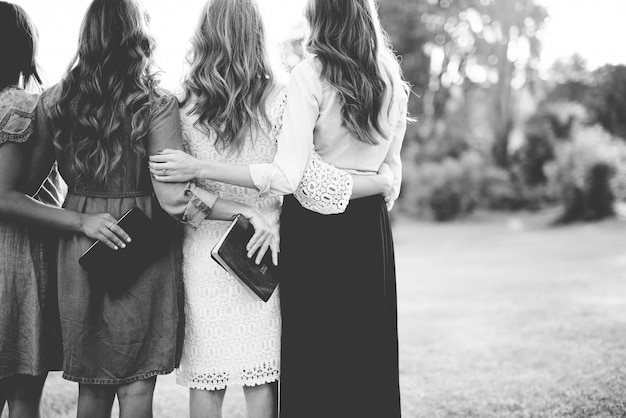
499 316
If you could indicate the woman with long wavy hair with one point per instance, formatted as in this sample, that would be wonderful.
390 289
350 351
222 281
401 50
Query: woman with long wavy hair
120 328
348 102
229 113
30 343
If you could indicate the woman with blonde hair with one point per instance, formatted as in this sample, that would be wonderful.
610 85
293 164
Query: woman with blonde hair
347 102
120 328
230 112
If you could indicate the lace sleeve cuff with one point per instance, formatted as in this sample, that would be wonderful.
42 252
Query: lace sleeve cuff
199 207
324 189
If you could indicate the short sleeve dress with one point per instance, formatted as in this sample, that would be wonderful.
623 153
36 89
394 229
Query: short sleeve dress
121 337
30 342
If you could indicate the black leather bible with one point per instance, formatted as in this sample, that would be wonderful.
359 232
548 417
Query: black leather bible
100 260
230 253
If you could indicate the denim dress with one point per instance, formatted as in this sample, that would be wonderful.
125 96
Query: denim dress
30 342
109 337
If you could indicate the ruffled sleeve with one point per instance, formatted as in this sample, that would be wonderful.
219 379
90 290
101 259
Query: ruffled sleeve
17 115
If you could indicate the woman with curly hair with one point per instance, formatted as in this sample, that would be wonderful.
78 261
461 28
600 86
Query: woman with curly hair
347 101
100 123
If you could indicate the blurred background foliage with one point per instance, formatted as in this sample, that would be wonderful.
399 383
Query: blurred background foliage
491 131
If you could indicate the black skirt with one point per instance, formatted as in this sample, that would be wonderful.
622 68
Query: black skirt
338 301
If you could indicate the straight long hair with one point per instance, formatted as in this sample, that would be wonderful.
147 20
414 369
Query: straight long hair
109 78
18 46
230 73
354 51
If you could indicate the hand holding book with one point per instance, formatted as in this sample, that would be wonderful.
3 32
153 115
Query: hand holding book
231 253
262 240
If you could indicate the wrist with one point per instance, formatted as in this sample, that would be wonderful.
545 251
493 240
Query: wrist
80 223
248 212
202 169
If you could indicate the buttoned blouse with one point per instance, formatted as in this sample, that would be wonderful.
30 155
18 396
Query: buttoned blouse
313 122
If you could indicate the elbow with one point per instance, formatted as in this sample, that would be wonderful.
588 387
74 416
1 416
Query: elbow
7 206
292 184
289 188
172 209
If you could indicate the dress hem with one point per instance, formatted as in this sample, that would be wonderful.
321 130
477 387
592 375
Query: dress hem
238 382
31 374
98 381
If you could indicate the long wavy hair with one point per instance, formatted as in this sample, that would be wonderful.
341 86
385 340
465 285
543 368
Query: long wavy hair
18 46
230 74
109 78
354 51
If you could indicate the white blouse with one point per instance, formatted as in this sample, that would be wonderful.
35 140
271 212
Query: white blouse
312 122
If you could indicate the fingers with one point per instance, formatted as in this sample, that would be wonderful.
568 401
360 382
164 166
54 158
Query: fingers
111 239
260 242
165 155
120 233
263 248
255 242
167 179
163 165
167 173
274 247
103 238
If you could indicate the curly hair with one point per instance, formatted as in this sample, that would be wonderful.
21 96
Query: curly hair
109 78
230 74
347 38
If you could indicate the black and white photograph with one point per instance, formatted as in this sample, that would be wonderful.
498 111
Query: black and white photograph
312 209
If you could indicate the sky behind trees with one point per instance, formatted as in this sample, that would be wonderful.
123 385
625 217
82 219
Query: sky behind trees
593 28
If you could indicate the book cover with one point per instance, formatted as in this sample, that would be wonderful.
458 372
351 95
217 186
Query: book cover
117 270
230 252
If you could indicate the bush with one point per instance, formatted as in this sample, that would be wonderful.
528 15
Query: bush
589 173
446 189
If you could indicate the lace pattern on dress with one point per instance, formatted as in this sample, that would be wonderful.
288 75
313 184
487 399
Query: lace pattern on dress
17 115
324 189
276 111
231 336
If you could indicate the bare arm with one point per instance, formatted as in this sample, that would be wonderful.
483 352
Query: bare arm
176 165
15 205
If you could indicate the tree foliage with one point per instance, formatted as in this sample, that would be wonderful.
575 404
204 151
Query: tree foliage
464 44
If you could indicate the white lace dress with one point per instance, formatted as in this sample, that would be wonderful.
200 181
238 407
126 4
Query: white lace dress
231 336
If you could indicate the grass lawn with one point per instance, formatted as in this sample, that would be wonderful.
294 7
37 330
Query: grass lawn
500 316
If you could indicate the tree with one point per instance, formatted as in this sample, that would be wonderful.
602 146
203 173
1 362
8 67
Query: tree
471 44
